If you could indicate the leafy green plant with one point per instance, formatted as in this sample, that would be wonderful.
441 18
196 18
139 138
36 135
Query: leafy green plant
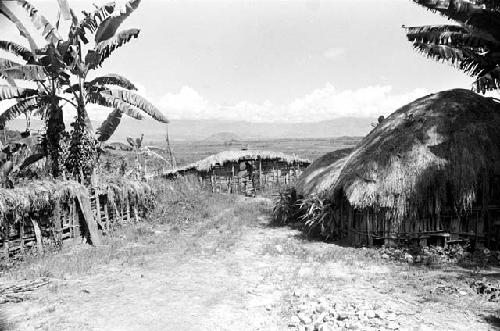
60 69
472 45
286 206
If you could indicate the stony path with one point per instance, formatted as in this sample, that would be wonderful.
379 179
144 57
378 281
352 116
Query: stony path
268 280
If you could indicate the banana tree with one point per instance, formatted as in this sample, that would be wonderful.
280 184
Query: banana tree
67 63
472 44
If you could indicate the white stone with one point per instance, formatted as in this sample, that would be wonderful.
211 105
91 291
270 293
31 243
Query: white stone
393 325
294 321
370 313
304 318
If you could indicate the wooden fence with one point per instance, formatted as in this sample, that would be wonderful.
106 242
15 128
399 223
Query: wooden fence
66 221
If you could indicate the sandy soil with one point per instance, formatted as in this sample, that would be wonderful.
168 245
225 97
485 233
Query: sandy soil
255 284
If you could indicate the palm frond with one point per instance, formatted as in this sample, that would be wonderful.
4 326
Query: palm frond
114 79
20 26
487 81
25 72
458 10
9 92
110 25
454 36
490 4
16 49
21 107
33 158
49 32
64 9
6 63
464 59
103 50
91 21
108 127
472 13
139 102
109 101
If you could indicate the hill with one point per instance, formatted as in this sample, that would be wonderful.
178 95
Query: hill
197 130
222 137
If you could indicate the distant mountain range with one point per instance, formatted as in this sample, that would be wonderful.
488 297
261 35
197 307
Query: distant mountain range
222 137
193 130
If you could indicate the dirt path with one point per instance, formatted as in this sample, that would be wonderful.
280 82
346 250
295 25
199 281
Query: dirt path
215 277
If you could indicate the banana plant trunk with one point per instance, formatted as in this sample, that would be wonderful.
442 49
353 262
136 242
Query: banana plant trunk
55 129
83 152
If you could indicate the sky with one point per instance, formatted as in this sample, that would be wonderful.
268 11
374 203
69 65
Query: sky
273 61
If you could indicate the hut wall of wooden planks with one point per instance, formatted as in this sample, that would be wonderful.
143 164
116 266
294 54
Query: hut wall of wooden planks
434 224
227 172
57 212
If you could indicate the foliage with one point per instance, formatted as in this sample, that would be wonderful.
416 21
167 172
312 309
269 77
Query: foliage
59 70
472 45
286 206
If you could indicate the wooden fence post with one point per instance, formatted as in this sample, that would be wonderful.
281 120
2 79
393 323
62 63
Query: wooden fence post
369 228
57 223
98 208
6 239
21 234
136 214
95 236
106 216
73 220
128 210
38 235
260 173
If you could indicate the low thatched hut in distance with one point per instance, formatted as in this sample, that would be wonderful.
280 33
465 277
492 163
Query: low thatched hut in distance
429 172
222 172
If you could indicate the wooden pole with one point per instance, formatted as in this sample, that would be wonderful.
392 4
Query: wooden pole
6 239
98 210
93 232
260 173
38 235
57 223
350 222
232 178
128 210
21 234
106 216
73 219
136 214
369 228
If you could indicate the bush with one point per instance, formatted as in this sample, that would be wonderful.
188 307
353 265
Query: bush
286 206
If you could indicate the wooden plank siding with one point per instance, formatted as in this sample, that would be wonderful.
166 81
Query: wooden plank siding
267 174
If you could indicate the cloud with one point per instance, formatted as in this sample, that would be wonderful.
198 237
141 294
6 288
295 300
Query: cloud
334 52
325 103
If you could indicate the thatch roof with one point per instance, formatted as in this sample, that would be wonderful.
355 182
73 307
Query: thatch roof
436 149
39 195
323 172
236 156
120 189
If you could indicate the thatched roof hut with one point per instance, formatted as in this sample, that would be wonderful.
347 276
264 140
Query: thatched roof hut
224 157
439 152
